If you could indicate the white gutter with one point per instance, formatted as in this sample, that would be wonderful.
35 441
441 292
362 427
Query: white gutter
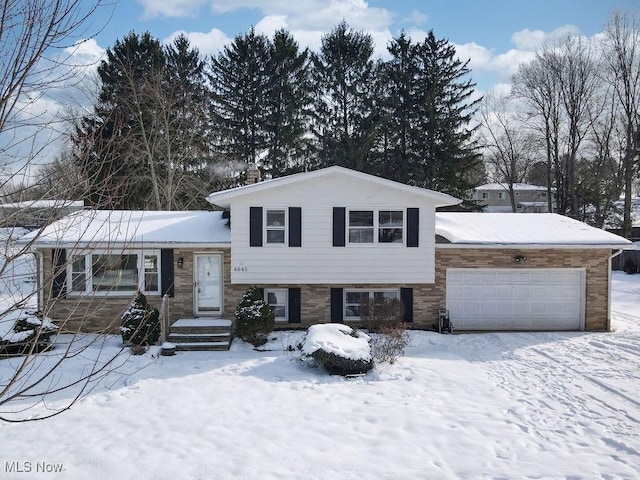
615 254
530 246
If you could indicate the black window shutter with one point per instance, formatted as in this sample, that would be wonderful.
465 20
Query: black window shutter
294 305
406 297
59 261
295 227
166 272
337 310
339 214
261 292
413 224
255 226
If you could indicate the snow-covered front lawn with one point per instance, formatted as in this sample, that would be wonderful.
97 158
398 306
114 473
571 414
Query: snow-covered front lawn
471 406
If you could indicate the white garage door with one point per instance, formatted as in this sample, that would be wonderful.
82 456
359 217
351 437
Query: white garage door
516 299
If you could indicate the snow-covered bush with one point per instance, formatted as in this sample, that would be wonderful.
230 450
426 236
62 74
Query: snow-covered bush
140 322
25 330
255 319
339 348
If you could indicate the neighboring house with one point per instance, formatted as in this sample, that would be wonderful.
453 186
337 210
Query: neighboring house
319 243
36 213
495 198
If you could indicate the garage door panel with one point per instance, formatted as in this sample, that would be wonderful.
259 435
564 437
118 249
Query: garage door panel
515 299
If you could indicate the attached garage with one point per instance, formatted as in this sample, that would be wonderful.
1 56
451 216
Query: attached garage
516 299
523 271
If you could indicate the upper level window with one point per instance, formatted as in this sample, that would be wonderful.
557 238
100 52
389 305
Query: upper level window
108 272
275 226
502 195
360 226
544 194
370 226
485 195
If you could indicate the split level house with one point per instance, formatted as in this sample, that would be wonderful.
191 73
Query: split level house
320 242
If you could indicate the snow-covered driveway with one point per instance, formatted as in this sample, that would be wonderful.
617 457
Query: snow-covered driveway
474 406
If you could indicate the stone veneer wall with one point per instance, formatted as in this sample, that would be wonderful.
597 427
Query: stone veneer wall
93 313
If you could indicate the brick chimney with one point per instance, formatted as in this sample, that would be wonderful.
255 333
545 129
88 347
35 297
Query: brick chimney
253 174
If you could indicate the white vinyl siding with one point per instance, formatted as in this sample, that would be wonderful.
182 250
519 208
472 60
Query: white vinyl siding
318 261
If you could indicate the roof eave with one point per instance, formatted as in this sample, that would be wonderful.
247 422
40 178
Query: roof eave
537 246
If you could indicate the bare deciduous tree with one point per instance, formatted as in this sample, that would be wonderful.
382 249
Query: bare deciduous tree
37 40
510 150
622 52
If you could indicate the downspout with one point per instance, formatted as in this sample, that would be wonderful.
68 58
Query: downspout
613 255
40 281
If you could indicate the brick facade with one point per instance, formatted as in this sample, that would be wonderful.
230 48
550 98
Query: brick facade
93 313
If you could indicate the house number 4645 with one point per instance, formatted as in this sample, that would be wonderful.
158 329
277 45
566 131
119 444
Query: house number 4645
240 269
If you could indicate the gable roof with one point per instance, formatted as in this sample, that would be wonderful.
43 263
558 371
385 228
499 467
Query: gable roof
533 230
224 197
117 228
516 187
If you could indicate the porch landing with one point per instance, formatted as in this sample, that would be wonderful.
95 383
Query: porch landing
201 334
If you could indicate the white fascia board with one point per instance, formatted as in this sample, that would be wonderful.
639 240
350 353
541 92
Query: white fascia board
532 246
224 197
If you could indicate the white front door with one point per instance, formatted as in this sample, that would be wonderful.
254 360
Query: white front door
208 284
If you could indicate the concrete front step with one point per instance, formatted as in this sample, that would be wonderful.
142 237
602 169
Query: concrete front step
202 346
199 337
201 334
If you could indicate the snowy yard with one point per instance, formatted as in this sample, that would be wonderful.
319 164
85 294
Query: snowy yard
481 406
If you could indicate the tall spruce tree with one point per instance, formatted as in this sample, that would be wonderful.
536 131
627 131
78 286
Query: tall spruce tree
287 102
238 80
426 138
345 118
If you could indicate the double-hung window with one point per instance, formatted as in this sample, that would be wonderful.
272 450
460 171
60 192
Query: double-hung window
376 226
115 273
354 300
276 226
277 300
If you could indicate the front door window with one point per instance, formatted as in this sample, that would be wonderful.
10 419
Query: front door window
208 284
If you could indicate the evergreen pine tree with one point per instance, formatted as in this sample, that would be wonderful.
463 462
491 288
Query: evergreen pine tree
345 118
238 77
287 101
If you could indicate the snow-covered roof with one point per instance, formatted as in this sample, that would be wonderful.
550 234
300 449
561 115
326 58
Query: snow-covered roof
45 204
516 187
533 204
534 230
125 227
223 198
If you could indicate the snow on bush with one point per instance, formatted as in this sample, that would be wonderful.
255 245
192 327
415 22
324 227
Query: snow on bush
25 330
254 318
140 323
339 348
